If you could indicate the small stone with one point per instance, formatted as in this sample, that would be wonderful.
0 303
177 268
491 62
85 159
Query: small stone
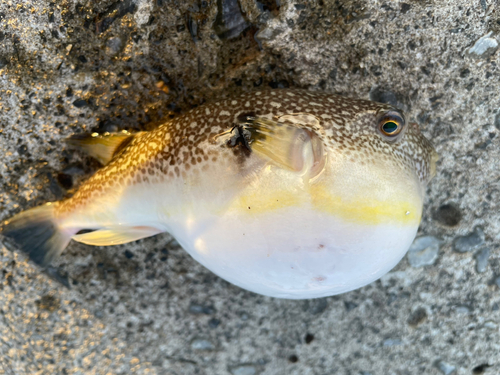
113 46
462 309
229 22
497 120
424 251
79 103
490 325
48 302
378 94
445 368
392 342
3 62
482 259
417 317
469 242
484 46
244 369
497 281
213 323
447 214
350 305
315 306
200 309
309 338
128 254
405 7
269 33
478 370
202 344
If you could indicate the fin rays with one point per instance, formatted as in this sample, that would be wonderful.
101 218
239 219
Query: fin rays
101 147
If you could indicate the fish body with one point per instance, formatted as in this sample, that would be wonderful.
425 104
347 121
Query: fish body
286 193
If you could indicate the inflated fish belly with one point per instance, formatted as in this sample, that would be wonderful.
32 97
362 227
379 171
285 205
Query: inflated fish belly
287 193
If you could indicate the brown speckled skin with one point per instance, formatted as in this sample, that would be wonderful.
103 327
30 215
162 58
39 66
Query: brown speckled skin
185 147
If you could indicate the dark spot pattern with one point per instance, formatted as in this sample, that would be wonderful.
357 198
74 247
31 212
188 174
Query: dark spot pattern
187 144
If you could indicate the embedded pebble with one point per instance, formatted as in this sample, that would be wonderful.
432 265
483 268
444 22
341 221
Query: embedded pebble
418 316
490 325
244 370
469 242
497 281
113 46
482 259
200 309
392 342
213 323
445 368
315 306
229 22
268 34
378 94
424 251
484 46
202 344
447 214
462 309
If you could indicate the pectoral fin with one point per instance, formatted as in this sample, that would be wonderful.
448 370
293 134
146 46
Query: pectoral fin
290 142
115 236
101 147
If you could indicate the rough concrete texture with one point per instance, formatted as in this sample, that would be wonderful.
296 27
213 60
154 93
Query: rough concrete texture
72 66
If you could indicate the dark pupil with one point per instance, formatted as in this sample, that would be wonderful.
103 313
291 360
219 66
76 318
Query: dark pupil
390 127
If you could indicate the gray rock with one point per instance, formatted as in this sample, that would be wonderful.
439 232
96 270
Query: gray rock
113 46
469 242
448 214
485 46
202 344
229 21
418 316
244 369
424 251
445 368
195 308
392 342
496 281
482 259
269 33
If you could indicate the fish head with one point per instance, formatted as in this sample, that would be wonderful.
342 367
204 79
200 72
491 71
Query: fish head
377 165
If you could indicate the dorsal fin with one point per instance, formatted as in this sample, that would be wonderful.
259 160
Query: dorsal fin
102 147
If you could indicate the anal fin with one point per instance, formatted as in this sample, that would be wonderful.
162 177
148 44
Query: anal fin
116 235
101 147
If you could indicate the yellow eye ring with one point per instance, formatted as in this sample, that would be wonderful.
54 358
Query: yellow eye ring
391 125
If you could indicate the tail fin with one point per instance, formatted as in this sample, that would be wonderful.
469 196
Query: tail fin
36 233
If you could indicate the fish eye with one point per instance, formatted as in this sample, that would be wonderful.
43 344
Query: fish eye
391 124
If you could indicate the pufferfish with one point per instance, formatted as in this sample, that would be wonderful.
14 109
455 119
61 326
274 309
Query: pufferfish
287 193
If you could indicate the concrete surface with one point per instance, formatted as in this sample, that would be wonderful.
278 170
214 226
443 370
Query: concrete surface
68 66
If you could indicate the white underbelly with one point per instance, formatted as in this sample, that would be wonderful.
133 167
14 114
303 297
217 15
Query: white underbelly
294 252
